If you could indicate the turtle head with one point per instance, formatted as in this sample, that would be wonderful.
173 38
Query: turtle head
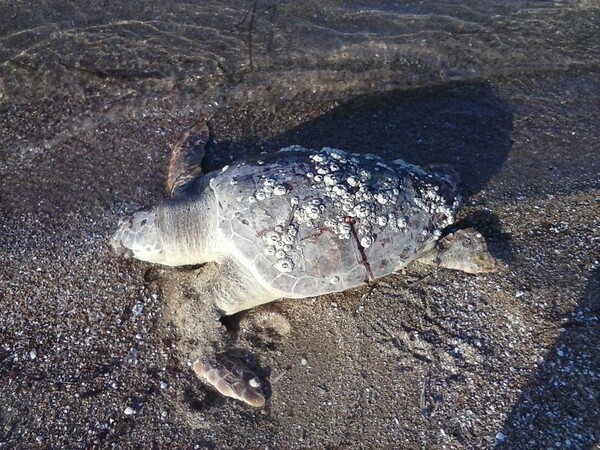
138 237
177 232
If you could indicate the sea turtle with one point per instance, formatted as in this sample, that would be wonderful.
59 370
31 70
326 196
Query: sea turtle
297 223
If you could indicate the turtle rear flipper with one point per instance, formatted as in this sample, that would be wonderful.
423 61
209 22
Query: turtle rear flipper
464 250
186 158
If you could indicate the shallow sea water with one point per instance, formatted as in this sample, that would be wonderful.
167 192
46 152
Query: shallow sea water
92 94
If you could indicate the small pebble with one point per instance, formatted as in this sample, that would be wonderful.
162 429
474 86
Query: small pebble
137 309
129 411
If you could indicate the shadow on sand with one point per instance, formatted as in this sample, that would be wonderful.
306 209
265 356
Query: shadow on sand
566 381
463 124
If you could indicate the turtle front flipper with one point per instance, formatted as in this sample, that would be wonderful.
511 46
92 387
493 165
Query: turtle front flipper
186 158
232 288
464 250
231 380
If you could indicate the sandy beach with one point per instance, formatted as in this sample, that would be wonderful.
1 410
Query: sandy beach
427 359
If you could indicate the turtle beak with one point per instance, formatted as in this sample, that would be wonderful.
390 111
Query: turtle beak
115 241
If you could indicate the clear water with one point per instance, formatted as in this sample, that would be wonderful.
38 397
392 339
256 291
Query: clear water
312 49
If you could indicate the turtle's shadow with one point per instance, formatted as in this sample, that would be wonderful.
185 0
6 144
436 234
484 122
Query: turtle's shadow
463 124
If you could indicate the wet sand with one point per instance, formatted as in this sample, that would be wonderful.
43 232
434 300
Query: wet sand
426 359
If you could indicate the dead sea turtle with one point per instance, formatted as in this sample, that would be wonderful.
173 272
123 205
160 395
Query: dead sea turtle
299 223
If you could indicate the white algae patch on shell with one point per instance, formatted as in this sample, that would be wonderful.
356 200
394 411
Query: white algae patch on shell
322 221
